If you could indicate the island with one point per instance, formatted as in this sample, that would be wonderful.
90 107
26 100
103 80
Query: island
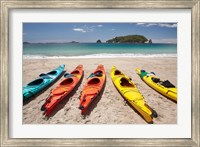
26 43
73 42
129 39
98 41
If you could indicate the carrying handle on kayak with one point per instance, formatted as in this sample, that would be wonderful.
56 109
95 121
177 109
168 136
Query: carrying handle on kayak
48 97
125 102
152 73
80 95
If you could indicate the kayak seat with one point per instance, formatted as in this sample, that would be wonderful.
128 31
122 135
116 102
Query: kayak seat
156 80
167 84
94 81
52 72
35 82
125 82
67 81
98 73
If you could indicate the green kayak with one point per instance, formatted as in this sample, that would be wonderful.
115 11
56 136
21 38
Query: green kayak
44 80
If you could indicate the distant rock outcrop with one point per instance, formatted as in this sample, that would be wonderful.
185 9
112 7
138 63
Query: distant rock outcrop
149 41
74 42
98 41
26 43
128 39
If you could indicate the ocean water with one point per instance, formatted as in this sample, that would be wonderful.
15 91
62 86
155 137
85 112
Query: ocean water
97 50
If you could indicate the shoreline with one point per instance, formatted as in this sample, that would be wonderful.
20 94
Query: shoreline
109 108
106 56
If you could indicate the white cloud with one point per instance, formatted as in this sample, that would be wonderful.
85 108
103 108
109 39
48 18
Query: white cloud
140 23
79 30
100 25
84 29
151 24
167 40
113 29
168 25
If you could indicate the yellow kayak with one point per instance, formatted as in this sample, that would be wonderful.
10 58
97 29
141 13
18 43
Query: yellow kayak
132 95
163 87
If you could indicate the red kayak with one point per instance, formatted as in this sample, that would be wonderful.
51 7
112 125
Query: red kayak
62 90
92 88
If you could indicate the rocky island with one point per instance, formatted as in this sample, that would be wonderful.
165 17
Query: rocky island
129 39
98 41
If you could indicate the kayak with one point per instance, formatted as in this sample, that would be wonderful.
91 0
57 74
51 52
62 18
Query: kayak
163 87
129 91
92 88
44 80
62 90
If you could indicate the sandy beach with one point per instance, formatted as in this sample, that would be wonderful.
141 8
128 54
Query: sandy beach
109 108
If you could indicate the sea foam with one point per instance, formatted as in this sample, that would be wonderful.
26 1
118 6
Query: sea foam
100 56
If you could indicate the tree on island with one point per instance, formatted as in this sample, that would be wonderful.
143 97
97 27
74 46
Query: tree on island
98 41
26 43
74 42
128 39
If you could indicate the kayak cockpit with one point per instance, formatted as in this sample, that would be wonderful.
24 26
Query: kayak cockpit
125 82
94 81
52 72
67 81
98 73
117 72
35 82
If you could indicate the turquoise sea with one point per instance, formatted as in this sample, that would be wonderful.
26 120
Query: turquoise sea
97 50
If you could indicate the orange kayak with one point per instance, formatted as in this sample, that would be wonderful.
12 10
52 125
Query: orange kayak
62 90
92 88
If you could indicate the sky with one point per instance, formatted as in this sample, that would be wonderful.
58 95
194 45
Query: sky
91 32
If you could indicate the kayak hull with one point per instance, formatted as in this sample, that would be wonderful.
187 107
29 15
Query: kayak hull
131 94
92 88
64 88
170 92
43 81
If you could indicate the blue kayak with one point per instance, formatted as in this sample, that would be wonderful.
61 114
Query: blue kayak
42 82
